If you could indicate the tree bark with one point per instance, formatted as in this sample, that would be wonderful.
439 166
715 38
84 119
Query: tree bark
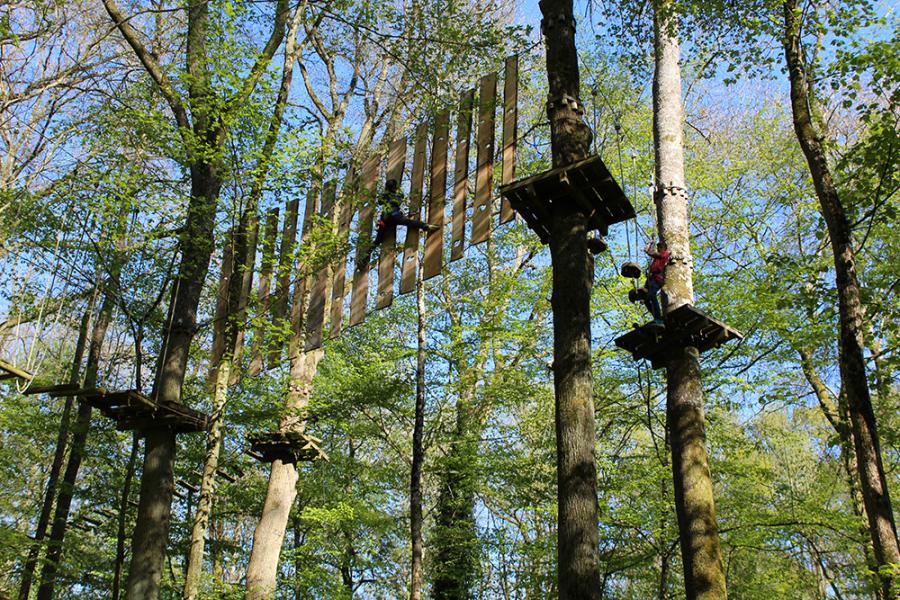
870 467
58 455
123 516
207 483
704 576
578 536
418 452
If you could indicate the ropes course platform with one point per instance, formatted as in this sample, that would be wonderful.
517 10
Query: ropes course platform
288 447
10 371
133 410
685 326
588 183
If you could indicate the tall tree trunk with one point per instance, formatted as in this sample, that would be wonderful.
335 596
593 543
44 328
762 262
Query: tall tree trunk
123 516
282 490
456 540
578 535
704 576
157 482
418 451
873 482
80 429
59 454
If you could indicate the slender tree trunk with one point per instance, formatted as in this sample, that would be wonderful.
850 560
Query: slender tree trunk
456 541
207 483
123 516
59 454
80 432
282 490
694 503
876 498
418 451
578 536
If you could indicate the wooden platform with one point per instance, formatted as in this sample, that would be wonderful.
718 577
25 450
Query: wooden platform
587 182
685 326
288 447
134 410
10 371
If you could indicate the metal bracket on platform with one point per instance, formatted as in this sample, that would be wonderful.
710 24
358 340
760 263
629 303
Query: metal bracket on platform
565 101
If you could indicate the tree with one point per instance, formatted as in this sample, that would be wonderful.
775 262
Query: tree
852 346
202 125
579 574
704 577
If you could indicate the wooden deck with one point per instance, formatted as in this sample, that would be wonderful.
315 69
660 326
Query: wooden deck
288 447
587 182
685 326
134 410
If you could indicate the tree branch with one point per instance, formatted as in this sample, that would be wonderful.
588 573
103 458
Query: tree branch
154 69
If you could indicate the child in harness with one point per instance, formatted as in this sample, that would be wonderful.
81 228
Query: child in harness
392 216
656 277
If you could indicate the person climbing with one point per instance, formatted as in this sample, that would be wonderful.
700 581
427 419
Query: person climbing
656 277
392 215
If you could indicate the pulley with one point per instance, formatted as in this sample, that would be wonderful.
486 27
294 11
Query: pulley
631 270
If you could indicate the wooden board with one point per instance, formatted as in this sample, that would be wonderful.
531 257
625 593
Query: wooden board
434 241
484 169
246 286
265 286
363 243
510 131
315 317
220 317
285 261
388 256
461 175
303 281
417 183
10 371
340 272
283 285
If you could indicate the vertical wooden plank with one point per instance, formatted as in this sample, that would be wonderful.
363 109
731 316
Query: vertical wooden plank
434 242
461 174
283 285
285 260
510 131
265 286
363 243
315 317
348 195
249 267
417 183
388 257
221 314
484 173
